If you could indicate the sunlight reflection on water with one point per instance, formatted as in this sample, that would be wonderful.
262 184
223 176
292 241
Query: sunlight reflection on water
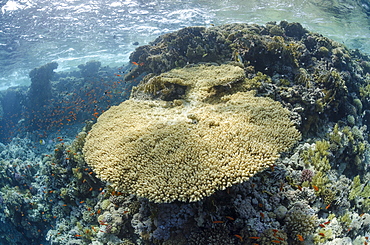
72 32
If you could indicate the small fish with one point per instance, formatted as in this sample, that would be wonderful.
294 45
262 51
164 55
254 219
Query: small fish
230 218
240 237
315 187
322 234
135 63
237 57
327 222
322 225
300 237
276 241
42 142
218 222
254 237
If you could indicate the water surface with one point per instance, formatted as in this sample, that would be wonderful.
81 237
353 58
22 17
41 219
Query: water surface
72 32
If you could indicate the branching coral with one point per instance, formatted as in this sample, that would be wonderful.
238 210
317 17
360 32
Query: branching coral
299 222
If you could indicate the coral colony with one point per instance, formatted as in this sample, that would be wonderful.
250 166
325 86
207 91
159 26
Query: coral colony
232 134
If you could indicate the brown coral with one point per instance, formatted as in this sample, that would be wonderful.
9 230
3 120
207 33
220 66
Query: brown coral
188 150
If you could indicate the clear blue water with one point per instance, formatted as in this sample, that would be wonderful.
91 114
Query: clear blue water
72 32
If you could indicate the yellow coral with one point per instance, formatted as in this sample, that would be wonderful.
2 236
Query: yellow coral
199 80
186 152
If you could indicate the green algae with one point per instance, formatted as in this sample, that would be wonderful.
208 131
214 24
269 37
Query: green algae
346 219
356 188
323 235
318 157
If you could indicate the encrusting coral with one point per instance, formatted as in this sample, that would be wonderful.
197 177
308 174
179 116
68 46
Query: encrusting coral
188 149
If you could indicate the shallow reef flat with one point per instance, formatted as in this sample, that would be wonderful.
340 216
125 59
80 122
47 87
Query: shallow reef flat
235 134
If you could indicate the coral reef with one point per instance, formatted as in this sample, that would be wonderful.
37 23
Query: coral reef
24 213
12 104
61 100
239 79
40 89
90 70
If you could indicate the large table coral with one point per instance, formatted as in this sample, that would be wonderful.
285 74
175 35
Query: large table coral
188 149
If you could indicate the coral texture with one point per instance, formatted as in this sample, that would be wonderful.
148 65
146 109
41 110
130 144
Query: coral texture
186 151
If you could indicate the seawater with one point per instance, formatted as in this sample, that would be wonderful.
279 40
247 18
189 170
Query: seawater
72 32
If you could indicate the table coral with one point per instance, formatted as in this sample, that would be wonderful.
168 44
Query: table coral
189 150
